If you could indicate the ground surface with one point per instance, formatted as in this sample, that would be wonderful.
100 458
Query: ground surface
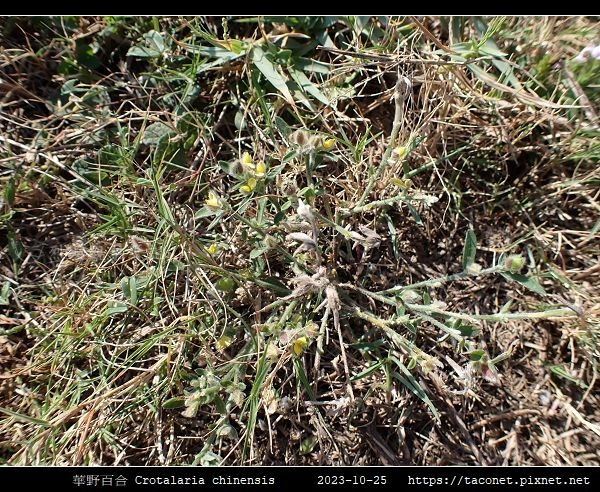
229 241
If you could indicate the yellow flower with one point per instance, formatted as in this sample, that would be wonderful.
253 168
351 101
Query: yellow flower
224 342
213 201
247 160
328 143
403 184
212 249
249 186
398 153
299 345
261 169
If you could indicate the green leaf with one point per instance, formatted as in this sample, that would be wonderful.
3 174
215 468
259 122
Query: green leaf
282 126
415 214
155 133
157 303
142 52
476 355
155 40
467 330
172 403
307 86
225 284
264 65
527 282
491 48
506 307
9 192
133 290
300 97
561 372
256 252
314 66
115 307
239 121
555 274
206 457
469 250
369 370
220 405
231 168
463 48
274 284
301 374
228 431
307 445
25 418
507 73
84 53
152 47
413 386
15 248
368 346
125 287
289 156
206 212
4 293
218 52
393 235
90 171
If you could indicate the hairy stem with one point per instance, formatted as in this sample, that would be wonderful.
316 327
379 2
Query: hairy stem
400 92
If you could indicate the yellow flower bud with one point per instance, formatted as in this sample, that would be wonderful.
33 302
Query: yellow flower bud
261 169
224 342
328 143
247 160
299 345
213 201
403 184
249 186
399 152
212 249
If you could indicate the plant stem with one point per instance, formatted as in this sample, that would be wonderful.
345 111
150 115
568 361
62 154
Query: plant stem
444 279
371 205
310 164
399 96
551 313
450 331
401 342
373 295
430 164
